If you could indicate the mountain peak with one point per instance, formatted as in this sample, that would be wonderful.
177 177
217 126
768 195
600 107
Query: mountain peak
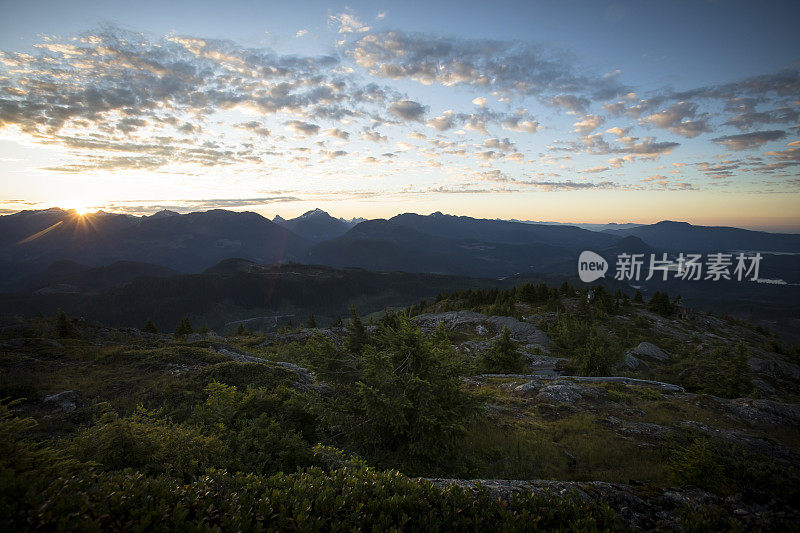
672 223
164 213
314 213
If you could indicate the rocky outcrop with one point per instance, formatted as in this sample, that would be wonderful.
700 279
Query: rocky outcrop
638 507
665 387
31 343
629 362
646 349
774 368
771 449
304 376
477 323
236 354
65 401
755 411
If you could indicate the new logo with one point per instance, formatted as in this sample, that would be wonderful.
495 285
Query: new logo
591 266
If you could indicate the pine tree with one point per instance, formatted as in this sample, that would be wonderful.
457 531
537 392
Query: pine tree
184 327
312 322
503 356
356 333
637 298
241 331
64 326
150 327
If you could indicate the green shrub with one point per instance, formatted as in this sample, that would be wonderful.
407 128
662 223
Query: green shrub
697 464
503 357
150 445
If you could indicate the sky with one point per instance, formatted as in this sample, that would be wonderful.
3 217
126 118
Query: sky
566 111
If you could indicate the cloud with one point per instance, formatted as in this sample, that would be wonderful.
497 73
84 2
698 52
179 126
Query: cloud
480 101
618 132
301 33
514 123
504 145
570 102
347 23
336 132
443 122
588 124
407 110
506 66
748 117
302 128
791 154
673 117
748 141
255 127
594 170
374 136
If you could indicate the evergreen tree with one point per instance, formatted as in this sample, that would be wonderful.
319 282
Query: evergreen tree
150 327
184 327
64 326
660 304
312 322
503 357
637 298
356 333
409 404
241 331
202 330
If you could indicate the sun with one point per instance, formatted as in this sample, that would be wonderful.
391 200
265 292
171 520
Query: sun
80 209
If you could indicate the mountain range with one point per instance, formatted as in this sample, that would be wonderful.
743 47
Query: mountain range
178 262
32 241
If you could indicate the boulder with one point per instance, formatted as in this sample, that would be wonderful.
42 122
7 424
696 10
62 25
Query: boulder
560 392
630 362
646 349
66 401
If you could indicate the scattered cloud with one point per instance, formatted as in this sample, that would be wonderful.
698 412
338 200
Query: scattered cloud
748 141
588 124
302 128
407 110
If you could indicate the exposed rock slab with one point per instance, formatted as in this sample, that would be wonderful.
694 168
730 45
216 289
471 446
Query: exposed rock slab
483 325
647 349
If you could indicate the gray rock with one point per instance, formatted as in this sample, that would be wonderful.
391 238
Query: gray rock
560 392
646 349
763 411
66 401
529 388
469 322
765 447
194 337
481 330
28 342
237 354
772 367
656 509
630 362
